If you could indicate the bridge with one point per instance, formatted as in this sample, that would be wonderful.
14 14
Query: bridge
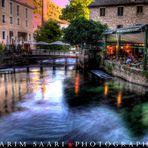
36 60
37 55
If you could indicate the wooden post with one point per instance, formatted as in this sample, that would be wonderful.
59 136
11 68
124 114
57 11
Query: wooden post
119 45
41 67
66 64
105 43
14 69
54 66
145 49
28 69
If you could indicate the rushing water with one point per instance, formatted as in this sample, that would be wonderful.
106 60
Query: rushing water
68 106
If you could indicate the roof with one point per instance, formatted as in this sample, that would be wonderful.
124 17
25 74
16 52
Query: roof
25 3
128 30
100 3
132 29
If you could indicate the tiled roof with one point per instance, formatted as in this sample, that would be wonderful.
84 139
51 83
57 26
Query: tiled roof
116 2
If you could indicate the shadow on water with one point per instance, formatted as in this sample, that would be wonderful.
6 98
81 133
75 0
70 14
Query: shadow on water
127 99
58 105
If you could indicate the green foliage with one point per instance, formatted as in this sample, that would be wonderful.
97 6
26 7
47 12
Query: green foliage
76 9
38 6
82 31
60 48
49 32
1 48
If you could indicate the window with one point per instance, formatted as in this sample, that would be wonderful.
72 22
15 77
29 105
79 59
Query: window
11 20
26 23
119 26
26 12
120 11
3 35
18 21
11 8
102 11
3 19
29 36
18 10
3 3
139 9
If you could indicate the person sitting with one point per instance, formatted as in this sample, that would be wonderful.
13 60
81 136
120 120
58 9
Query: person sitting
128 60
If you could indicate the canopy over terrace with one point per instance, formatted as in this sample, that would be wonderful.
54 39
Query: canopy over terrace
130 38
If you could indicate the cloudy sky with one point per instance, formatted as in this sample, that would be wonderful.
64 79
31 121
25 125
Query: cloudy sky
61 3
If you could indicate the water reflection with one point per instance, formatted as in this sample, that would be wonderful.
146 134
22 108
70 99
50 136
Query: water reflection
12 90
106 89
77 83
51 106
119 99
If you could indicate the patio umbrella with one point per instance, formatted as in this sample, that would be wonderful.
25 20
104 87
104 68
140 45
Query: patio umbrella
30 42
42 43
59 43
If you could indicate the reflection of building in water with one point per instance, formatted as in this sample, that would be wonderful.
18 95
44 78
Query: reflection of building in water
77 84
106 89
12 89
137 89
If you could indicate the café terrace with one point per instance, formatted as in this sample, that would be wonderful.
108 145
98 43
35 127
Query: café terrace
128 46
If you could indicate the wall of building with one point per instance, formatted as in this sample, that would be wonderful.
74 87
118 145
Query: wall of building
25 22
130 16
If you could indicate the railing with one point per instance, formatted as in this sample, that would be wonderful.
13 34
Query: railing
56 53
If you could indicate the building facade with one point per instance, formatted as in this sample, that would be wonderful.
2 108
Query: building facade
16 21
119 13
51 11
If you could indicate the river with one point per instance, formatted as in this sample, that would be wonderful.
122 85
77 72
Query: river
69 106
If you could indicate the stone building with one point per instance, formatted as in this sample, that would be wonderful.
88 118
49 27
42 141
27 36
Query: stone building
119 13
16 21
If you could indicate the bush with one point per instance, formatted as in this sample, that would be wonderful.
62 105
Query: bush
55 48
1 47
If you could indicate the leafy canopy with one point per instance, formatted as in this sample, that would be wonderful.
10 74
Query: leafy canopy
82 31
49 32
76 9
37 6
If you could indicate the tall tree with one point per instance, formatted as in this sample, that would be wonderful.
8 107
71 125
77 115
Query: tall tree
38 6
76 9
51 10
49 32
82 31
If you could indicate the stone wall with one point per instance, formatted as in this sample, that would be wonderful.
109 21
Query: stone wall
125 72
130 16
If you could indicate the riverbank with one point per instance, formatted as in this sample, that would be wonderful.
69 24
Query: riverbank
126 72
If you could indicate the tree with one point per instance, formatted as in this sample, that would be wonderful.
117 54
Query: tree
49 32
38 6
76 9
49 8
82 31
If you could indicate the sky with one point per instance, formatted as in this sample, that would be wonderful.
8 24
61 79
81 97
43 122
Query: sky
61 3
